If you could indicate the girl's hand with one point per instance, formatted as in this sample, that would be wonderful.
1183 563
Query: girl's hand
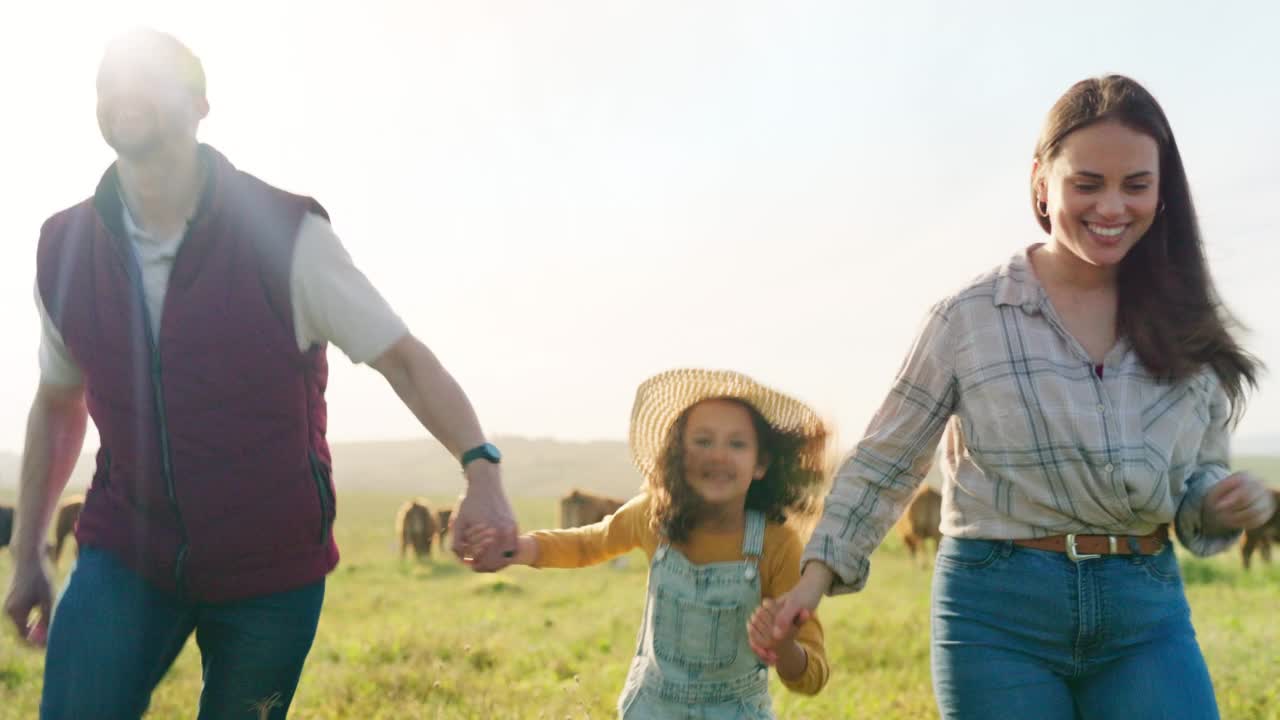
1240 502
475 539
760 630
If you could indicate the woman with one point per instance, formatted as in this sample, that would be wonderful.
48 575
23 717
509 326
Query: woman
1084 392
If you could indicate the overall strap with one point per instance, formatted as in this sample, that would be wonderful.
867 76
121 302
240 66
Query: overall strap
753 538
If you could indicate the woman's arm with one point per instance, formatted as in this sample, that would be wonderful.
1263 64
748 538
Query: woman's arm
875 482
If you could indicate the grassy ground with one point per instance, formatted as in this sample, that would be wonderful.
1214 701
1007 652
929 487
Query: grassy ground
434 641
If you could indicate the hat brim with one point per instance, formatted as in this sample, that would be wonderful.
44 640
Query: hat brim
663 398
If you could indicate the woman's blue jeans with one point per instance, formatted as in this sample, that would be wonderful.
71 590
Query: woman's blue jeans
1019 633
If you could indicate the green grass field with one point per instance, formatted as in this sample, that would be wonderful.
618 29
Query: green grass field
435 641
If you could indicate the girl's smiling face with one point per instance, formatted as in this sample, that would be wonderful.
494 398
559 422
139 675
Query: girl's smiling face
721 453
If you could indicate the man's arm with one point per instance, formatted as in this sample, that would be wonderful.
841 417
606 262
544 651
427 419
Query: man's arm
431 393
55 436
333 302
436 399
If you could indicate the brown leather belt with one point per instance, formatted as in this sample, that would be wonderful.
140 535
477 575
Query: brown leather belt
1084 547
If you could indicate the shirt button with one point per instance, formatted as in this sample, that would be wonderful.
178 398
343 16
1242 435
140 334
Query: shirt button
1109 467
763 673
1102 408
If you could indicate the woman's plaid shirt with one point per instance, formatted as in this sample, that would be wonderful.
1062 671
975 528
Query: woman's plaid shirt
1035 443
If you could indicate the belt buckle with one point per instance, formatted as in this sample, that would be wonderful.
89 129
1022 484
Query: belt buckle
1073 554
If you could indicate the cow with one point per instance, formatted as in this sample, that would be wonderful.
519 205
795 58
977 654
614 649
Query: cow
6 525
1261 537
920 521
443 527
64 524
416 528
580 508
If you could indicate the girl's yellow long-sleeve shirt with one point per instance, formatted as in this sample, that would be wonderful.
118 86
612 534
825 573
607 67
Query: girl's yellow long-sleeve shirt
629 528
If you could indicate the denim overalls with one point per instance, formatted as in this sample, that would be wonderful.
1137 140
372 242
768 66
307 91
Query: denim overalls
692 659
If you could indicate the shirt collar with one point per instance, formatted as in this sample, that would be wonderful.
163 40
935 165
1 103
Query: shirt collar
1016 283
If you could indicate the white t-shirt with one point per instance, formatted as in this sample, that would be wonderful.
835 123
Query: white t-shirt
332 300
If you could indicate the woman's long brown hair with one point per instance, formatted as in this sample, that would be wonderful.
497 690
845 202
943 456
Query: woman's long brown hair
1168 307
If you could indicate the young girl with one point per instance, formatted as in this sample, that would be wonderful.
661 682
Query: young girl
1085 390
724 460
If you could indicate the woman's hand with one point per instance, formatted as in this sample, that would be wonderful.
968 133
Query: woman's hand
760 630
1240 502
794 607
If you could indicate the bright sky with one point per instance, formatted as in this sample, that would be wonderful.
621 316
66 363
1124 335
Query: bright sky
564 197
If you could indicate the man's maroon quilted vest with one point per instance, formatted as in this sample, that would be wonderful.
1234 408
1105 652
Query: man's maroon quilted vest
212 479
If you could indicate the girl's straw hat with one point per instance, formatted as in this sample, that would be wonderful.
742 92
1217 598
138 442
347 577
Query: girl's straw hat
661 400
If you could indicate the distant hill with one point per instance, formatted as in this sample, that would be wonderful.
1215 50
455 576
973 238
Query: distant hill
531 468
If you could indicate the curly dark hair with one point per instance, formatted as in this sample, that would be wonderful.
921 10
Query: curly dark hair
787 488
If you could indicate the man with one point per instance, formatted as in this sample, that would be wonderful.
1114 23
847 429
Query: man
186 308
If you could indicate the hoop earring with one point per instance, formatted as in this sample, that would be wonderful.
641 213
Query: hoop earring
1161 208
1042 207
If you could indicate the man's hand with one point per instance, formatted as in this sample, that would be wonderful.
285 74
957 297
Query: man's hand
30 589
55 434
484 505
435 398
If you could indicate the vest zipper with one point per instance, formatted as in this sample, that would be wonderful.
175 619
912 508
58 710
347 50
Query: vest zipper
134 270
166 464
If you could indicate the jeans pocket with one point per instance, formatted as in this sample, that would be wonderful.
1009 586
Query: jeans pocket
320 475
968 554
1162 567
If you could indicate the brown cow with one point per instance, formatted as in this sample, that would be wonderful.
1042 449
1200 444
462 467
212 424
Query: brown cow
443 516
580 508
1262 536
416 527
64 524
920 521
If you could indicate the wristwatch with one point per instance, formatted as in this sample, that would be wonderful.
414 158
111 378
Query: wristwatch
487 451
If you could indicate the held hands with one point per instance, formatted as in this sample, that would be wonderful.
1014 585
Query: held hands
764 638
484 507
788 612
480 538
1240 502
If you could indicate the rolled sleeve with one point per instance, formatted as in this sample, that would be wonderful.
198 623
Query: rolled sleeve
1211 469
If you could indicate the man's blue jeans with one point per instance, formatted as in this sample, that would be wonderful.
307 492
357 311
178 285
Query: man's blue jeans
114 636
1022 633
